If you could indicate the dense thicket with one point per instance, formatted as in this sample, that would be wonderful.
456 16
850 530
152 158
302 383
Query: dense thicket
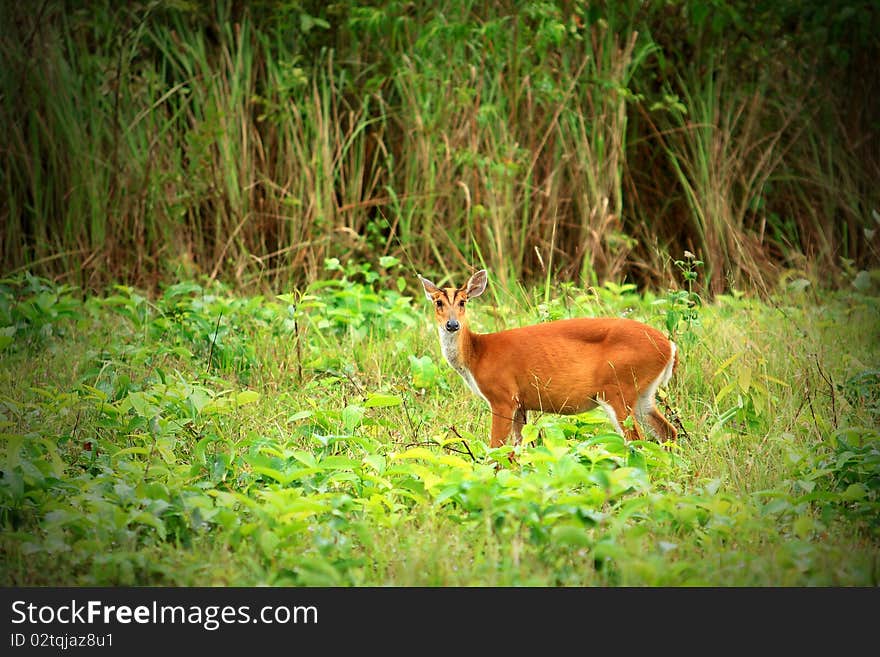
585 140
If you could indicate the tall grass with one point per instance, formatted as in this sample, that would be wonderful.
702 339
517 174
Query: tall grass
514 155
596 142
723 157
546 141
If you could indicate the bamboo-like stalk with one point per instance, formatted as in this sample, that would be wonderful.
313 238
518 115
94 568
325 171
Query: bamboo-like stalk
146 143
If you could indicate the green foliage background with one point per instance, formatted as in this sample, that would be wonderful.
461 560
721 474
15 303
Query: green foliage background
317 438
581 140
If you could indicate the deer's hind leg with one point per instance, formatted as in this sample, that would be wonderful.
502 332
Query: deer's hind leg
618 411
646 408
661 427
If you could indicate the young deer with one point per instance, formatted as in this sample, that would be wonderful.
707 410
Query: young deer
566 366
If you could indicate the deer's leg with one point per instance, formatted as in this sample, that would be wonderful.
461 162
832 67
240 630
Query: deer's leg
662 427
622 411
502 421
646 408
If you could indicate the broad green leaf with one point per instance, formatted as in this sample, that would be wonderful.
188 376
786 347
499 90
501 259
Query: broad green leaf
571 535
594 416
607 549
428 476
529 434
144 518
554 434
352 416
95 392
13 447
776 506
622 479
306 458
60 517
341 476
199 398
424 371
381 401
140 404
316 571
219 406
862 281
375 461
266 449
282 478
806 486
636 459
268 542
455 461
338 462
303 508
854 492
232 499
153 490
803 526
632 507
246 397
725 390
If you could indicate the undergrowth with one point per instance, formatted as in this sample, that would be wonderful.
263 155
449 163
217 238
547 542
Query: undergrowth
199 437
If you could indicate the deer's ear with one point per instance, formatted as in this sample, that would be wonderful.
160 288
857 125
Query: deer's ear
477 284
430 288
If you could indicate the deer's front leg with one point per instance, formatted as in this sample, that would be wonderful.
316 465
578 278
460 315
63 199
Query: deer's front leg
502 420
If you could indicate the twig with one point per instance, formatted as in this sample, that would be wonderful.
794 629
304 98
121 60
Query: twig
76 424
414 430
431 443
360 390
830 383
214 339
671 412
463 442
809 395
155 434
797 413
299 362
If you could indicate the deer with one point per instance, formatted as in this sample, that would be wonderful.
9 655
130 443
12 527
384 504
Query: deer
565 366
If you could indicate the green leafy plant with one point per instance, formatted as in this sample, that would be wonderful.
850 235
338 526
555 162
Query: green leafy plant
683 306
131 456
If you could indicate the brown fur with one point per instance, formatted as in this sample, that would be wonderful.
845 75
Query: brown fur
565 366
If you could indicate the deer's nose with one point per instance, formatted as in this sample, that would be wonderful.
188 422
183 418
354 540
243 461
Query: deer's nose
452 325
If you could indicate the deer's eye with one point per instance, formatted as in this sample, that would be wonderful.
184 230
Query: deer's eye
439 304
461 304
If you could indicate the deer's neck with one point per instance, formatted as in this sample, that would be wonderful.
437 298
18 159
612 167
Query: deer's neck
459 348
455 348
